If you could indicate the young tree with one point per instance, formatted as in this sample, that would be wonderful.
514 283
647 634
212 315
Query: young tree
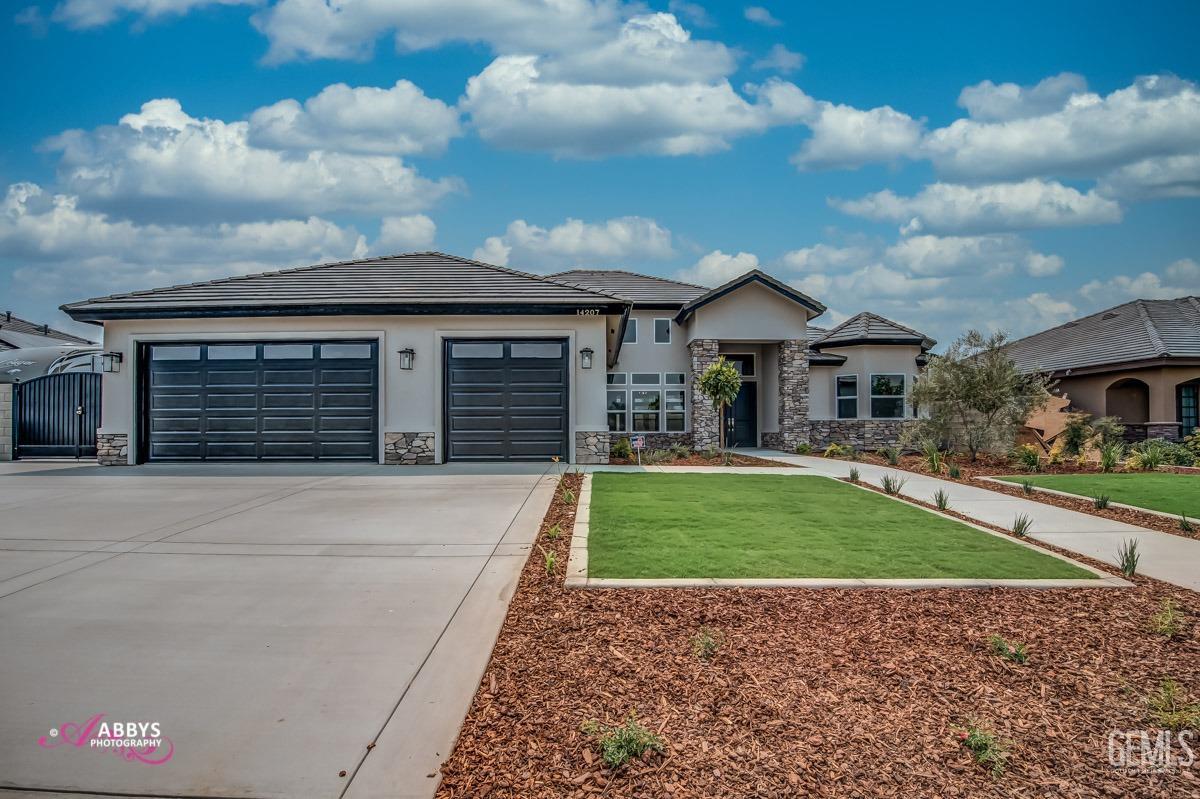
720 382
975 395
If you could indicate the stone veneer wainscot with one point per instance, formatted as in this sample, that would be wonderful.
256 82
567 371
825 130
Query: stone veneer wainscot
112 449
408 449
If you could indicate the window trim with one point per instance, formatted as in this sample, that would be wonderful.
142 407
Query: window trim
682 383
631 324
903 396
837 398
624 382
624 392
658 414
658 379
683 411
670 335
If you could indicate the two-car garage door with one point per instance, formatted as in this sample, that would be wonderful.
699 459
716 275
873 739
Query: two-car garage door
270 400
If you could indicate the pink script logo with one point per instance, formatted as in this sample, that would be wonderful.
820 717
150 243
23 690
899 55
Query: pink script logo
138 741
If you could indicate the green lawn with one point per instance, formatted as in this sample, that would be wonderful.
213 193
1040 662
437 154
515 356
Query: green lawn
762 525
1164 491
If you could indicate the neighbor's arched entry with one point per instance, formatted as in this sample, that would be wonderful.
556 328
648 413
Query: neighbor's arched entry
1128 399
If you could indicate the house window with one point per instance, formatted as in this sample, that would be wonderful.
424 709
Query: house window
616 378
618 419
662 331
675 379
647 406
675 412
630 332
887 396
645 378
847 396
743 363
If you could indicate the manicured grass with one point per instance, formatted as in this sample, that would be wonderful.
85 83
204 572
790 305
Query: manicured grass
1162 491
762 525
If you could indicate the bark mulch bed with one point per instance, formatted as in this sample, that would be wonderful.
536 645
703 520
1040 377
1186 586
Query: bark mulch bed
700 459
1136 517
985 466
826 693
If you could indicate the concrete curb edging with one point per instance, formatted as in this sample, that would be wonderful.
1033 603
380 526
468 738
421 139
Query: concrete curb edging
1068 495
577 562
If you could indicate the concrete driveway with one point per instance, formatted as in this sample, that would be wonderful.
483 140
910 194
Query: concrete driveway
283 624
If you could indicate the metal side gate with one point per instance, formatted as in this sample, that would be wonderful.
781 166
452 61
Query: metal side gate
56 416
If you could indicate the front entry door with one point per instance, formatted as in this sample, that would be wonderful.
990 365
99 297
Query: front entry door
741 418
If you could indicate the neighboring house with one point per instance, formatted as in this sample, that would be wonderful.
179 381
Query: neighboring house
428 358
19 334
1139 361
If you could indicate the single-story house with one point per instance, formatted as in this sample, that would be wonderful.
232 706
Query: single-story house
18 334
1139 361
429 358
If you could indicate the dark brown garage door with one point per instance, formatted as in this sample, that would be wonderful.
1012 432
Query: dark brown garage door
506 399
246 400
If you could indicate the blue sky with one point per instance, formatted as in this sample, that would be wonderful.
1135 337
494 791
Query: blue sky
944 167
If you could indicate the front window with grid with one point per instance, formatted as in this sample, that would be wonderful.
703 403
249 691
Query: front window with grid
647 408
847 396
618 416
887 396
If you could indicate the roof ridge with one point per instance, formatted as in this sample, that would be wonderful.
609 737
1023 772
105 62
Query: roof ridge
1079 319
1151 329
634 274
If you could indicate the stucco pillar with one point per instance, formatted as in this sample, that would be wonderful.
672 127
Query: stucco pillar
793 393
6 422
705 423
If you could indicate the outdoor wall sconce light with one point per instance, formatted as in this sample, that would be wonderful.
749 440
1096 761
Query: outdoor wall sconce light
111 361
407 356
585 357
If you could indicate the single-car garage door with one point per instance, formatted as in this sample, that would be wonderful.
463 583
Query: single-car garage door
245 400
506 400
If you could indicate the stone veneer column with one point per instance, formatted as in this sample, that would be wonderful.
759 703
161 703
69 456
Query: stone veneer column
706 430
6 422
112 449
592 446
793 393
1167 430
408 449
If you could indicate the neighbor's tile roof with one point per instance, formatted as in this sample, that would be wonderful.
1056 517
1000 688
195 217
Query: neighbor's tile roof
866 327
17 333
639 289
413 279
1136 331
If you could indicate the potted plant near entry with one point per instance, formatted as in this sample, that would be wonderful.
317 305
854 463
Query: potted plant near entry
720 382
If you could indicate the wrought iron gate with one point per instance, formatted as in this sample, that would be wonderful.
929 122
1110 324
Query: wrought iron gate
56 416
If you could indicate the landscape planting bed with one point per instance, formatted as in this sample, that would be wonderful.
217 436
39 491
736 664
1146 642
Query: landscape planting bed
827 693
1164 492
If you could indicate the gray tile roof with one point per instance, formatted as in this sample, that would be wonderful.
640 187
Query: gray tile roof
1136 331
421 282
17 333
867 328
760 277
640 289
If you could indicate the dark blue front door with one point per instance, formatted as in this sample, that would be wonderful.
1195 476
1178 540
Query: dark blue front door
741 418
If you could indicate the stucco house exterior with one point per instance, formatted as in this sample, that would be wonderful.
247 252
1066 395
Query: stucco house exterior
1139 361
428 358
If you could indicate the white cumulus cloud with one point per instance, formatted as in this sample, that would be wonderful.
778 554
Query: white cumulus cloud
717 267
761 16
396 121
577 243
997 255
1180 278
780 59
399 234
991 102
95 13
844 137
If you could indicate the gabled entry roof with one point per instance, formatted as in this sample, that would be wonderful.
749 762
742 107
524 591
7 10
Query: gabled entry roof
869 328
414 283
812 307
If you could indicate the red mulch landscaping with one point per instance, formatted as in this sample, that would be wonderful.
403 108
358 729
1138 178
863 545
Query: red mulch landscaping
700 459
828 693
985 466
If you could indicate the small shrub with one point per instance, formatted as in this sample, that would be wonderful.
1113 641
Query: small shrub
1100 501
1147 456
567 496
853 474
711 453
1185 524
1027 487
1192 443
1169 709
622 743
554 532
1010 651
804 449
1107 430
933 457
657 456
622 449
706 642
549 559
892 484
836 450
1159 451
985 746
1168 621
941 499
727 460
1111 453
1022 524
953 471
891 455
679 451
1128 557
1056 455
1027 457
1075 434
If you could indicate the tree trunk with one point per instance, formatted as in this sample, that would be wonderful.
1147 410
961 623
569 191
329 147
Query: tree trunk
721 427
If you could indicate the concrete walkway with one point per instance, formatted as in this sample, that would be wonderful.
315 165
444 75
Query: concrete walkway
1171 558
